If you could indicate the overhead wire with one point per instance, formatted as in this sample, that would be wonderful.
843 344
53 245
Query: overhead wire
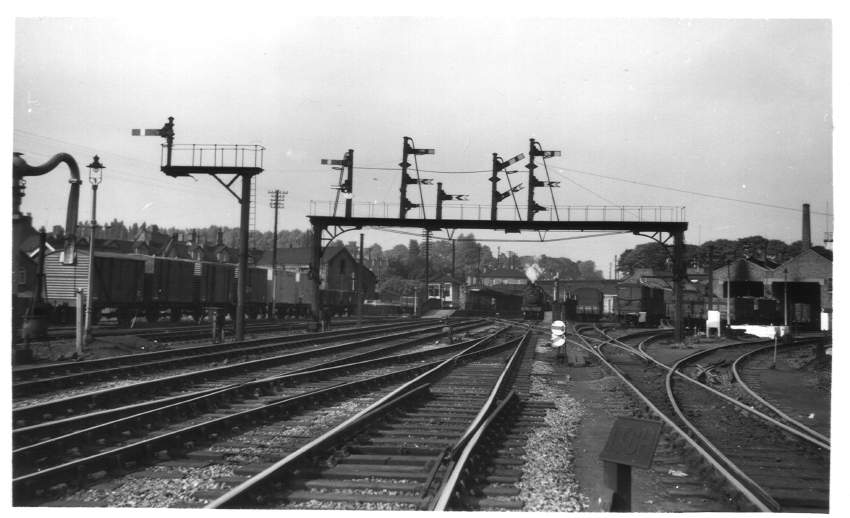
685 191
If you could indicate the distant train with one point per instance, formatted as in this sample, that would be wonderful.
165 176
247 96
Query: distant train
535 302
128 285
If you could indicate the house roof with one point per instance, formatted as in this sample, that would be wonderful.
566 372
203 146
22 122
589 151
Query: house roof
298 256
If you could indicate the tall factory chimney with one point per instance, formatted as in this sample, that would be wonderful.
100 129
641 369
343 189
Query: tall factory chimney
807 228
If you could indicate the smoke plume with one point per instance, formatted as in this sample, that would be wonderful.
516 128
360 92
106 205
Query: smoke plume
533 272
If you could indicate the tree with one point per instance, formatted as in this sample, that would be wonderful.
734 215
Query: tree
58 231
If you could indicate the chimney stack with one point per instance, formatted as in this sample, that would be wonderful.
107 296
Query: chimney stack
220 238
807 228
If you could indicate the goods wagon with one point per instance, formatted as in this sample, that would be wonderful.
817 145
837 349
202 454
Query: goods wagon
589 303
216 286
640 305
752 310
126 285
117 285
169 285
294 294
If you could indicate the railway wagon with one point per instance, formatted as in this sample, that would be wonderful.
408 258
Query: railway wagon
169 285
215 284
257 291
293 295
117 285
640 305
754 310
589 303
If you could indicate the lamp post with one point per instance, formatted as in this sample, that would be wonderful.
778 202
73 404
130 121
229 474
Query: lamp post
95 177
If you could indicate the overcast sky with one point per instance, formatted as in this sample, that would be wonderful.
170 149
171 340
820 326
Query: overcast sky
713 110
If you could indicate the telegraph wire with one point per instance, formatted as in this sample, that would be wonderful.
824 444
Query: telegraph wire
684 191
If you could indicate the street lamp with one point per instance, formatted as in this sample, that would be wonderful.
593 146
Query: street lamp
95 177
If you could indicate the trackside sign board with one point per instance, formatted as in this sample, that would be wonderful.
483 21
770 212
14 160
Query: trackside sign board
632 442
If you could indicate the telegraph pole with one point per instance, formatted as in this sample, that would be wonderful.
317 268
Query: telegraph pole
276 200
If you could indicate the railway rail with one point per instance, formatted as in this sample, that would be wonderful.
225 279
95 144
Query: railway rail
750 453
748 380
397 453
69 410
99 449
33 379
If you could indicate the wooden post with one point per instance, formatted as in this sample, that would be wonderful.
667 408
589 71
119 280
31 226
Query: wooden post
618 478
79 299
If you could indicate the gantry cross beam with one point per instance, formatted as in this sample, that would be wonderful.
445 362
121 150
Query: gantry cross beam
674 229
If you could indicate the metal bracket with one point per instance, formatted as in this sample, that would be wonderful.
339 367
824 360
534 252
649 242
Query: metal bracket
332 235
656 237
228 184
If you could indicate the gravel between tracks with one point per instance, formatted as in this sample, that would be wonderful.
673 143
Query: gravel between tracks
170 485
548 482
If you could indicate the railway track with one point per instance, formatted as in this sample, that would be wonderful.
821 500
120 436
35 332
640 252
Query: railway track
398 452
777 457
748 370
215 358
753 457
55 466
70 410
31 378
195 331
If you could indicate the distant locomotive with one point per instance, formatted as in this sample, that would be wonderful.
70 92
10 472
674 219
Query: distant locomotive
534 302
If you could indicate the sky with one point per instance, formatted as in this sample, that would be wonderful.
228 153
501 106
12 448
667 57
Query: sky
728 117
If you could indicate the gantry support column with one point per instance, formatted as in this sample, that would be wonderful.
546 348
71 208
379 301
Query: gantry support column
241 283
678 278
315 270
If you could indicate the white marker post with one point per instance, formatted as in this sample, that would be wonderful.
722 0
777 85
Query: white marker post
559 329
